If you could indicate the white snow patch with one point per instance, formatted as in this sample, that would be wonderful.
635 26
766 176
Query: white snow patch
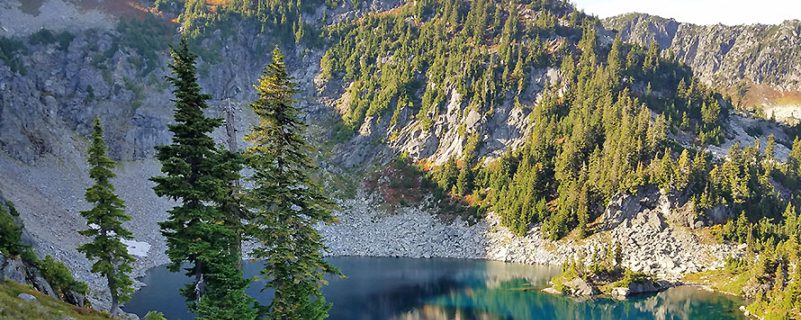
137 248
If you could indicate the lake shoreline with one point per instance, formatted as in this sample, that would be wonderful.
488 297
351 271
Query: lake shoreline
387 287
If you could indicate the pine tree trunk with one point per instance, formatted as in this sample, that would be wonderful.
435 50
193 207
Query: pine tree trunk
115 304
199 281
115 308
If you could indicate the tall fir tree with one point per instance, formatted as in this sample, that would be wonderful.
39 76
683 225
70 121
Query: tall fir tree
286 202
111 258
203 230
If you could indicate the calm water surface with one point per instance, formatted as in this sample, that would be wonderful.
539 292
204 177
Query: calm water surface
405 288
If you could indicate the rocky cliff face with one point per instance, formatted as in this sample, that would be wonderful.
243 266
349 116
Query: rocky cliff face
760 54
766 58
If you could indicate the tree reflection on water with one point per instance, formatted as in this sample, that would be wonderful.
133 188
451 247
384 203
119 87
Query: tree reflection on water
408 289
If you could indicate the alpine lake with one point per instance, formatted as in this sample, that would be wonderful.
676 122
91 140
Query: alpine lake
407 288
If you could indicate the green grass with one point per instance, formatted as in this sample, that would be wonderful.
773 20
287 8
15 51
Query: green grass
720 280
13 308
559 280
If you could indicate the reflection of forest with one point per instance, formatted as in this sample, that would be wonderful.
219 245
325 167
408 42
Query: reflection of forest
408 289
685 303
434 312
507 301
495 274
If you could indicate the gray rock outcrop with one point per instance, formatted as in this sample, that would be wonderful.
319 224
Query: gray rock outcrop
635 288
27 297
14 270
650 243
578 287
759 54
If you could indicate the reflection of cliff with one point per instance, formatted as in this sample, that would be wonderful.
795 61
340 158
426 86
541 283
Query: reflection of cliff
433 289
407 290
685 303
507 301
496 274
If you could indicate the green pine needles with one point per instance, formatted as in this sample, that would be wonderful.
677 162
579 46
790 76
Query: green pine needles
203 231
286 202
279 213
105 220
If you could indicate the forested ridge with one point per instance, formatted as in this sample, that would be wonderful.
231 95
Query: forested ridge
601 129
607 126
604 128
614 121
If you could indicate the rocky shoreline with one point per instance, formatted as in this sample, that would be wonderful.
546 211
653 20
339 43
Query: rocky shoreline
650 242
643 225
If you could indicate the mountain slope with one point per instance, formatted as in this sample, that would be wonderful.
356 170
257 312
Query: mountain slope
529 110
763 59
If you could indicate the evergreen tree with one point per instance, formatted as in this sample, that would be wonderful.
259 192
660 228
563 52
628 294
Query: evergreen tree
683 171
463 180
286 202
198 175
614 59
105 219
794 159
768 161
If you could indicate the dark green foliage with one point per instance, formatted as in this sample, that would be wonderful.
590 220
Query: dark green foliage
60 277
772 262
46 37
280 18
603 271
393 64
630 277
204 230
790 173
154 315
106 233
286 202
173 7
10 231
588 143
55 272
771 234
148 38
10 49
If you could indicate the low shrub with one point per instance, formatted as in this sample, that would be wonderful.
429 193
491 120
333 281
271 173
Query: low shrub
60 277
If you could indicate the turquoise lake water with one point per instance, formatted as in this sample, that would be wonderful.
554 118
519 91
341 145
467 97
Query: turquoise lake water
405 288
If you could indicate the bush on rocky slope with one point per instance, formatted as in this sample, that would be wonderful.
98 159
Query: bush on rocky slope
9 49
14 308
18 262
10 231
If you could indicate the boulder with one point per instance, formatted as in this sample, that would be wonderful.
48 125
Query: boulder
41 285
75 298
643 287
620 292
635 288
717 215
26 297
624 207
578 287
14 270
